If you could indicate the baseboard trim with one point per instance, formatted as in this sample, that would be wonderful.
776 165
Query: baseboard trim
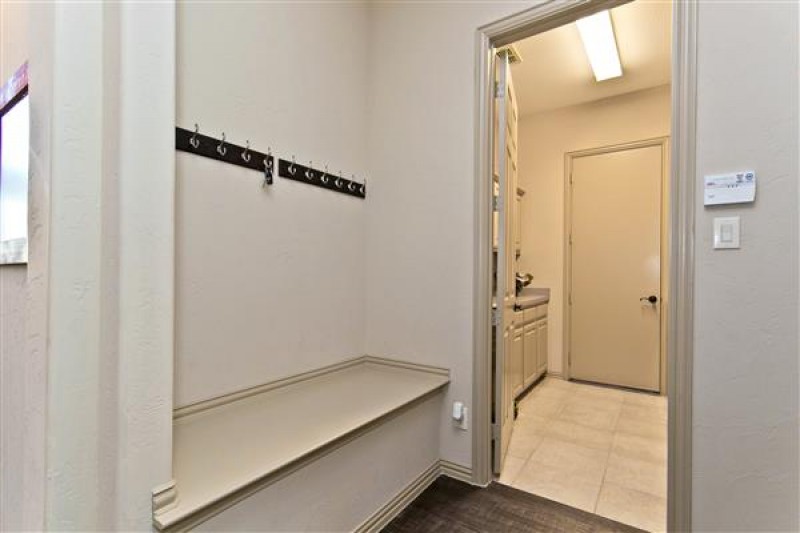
387 512
400 501
456 471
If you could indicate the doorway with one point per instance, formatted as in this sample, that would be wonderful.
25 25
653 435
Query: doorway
677 324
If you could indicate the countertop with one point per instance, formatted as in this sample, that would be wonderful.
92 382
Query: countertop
531 297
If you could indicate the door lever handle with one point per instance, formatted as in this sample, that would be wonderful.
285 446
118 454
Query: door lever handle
652 299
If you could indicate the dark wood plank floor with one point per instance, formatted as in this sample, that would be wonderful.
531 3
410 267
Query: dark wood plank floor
455 507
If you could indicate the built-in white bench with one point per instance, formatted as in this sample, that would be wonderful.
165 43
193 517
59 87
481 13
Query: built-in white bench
228 448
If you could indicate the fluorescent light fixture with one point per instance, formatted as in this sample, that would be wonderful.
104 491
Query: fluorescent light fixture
598 39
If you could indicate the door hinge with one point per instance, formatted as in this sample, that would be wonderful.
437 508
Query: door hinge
495 317
570 239
496 202
569 298
499 90
495 431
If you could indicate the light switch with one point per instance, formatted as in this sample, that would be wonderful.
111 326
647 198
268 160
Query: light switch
726 232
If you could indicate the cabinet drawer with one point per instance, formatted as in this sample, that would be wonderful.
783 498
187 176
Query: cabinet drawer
529 315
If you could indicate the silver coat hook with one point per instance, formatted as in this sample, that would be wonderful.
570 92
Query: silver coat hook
221 149
352 185
324 177
363 188
309 172
338 181
246 153
194 141
292 168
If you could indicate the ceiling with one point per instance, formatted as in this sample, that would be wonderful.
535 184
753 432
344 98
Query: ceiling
555 72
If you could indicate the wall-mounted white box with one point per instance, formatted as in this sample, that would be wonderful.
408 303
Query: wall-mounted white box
736 188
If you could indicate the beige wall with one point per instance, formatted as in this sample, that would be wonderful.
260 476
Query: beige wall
420 236
746 301
269 281
420 66
14 37
419 225
544 139
13 295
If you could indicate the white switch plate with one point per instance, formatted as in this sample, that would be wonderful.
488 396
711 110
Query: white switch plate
726 232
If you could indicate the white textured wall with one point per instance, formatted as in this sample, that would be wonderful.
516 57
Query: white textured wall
746 301
12 393
99 316
544 138
269 281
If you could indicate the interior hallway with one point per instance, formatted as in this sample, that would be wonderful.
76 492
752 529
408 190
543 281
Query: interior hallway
598 449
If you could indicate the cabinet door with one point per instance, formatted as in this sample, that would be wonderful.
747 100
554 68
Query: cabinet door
516 361
541 343
530 363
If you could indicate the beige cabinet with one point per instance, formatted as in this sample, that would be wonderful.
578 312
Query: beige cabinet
517 352
541 346
529 355
530 360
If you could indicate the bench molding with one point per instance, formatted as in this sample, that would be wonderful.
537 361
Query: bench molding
166 498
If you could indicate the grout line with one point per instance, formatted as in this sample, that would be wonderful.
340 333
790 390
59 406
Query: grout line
603 479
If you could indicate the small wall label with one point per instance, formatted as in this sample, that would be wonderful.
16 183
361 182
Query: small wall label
736 188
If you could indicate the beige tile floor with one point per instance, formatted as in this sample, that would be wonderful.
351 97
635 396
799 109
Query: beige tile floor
598 449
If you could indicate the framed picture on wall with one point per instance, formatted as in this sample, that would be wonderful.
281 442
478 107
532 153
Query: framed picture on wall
14 144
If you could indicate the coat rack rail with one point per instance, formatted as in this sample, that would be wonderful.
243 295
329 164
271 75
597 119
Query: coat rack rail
311 176
220 149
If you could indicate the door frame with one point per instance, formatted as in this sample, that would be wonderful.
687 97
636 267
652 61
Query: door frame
569 159
680 319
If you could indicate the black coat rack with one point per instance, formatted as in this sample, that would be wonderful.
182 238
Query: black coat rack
221 150
196 143
307 174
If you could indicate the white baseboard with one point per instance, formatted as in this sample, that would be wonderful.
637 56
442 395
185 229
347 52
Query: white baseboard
456 471
402 499
393 507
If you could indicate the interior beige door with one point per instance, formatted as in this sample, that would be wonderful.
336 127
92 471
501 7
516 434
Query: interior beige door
615 267
506 177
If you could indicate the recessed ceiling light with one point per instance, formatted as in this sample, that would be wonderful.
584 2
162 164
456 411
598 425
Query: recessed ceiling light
597 35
